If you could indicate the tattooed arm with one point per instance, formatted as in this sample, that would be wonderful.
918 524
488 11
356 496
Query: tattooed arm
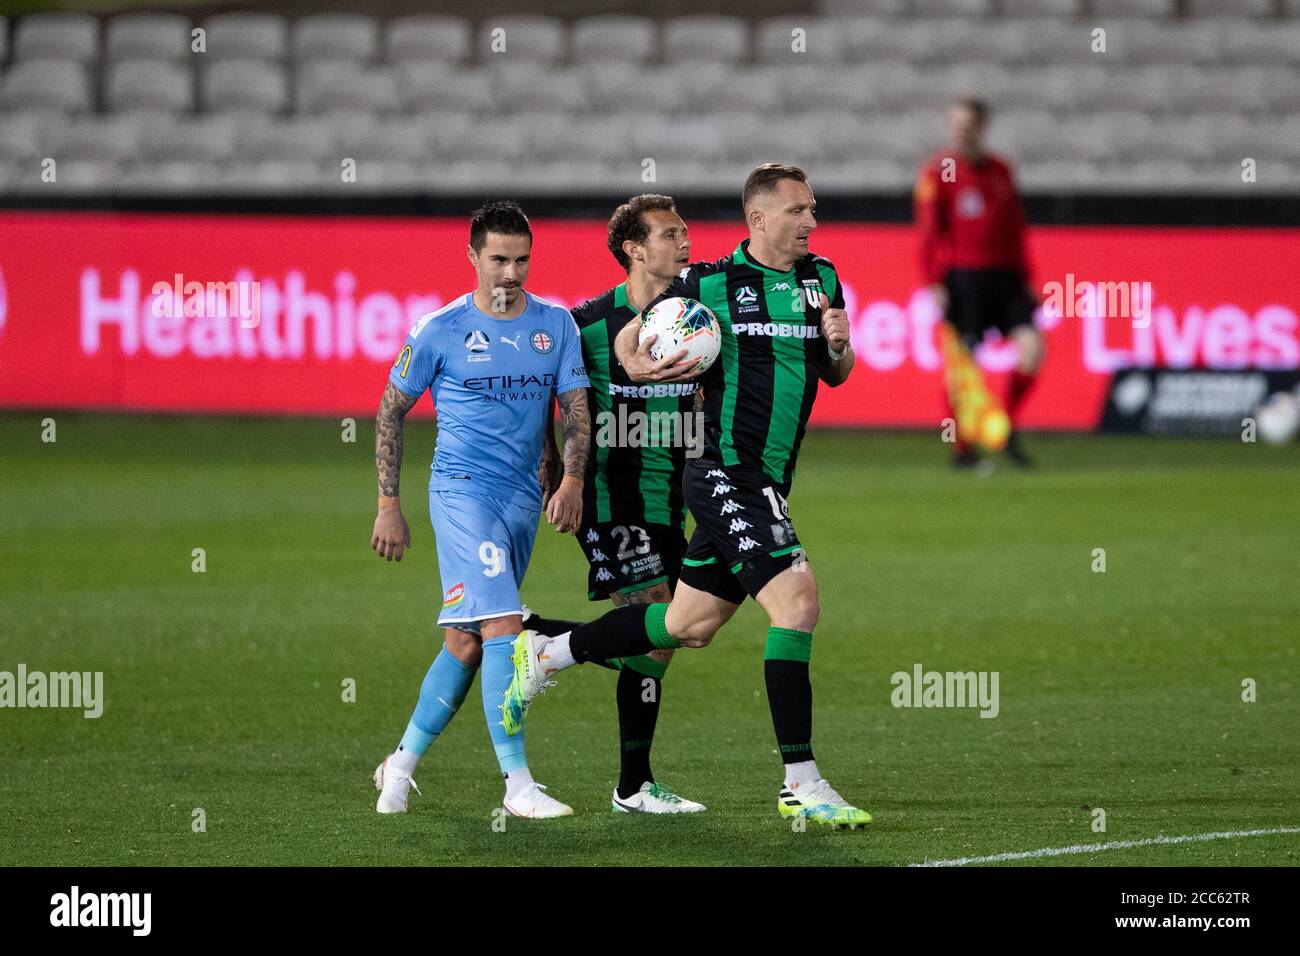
564 510
548 472
391 536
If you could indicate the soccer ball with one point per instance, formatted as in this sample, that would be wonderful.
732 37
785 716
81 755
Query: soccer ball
1278 418
682 324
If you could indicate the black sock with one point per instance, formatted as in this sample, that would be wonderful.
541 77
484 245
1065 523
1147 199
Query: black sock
789 695
620 633
550 626
638 712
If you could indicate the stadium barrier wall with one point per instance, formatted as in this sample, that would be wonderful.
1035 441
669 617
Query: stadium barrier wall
98 310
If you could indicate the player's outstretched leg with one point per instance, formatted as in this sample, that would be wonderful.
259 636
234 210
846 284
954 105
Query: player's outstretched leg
623 632
790 600
441 694
524 796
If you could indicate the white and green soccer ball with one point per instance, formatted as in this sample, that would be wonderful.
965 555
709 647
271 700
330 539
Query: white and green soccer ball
682 324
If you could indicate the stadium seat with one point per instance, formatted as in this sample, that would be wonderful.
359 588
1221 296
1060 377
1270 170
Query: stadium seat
273 176
1038 87
665 139
297 140
1256 42
1059 174
1230 8
1151 9
1291 8
92 138
389 141
255 85
702 39
844 87
604 139
57 36
148 36
618 39
336 36
1155 175
77 176
1148 41
1238 89
426 86
530 86
4 40
59 85
871 40
441 128
427 39
1284 95
1005 41
1058 41
149 85
736 88
209 139
1040 8
952 8
868 8
1101 89
340 85
246 36
495 137
859 174
777 41
20 135
534 39
613 88
173 177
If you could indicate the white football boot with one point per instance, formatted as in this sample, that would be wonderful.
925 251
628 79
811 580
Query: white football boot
535 803
655 798
393 786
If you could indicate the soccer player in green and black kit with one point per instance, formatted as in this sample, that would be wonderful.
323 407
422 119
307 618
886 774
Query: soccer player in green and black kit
784 331
633 533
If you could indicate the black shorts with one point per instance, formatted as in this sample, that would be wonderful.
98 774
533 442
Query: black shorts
983 299
743 535
629 557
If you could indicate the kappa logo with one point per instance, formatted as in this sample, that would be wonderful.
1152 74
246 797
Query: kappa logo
598 555
730 507
746 543
604 575
781 287
721 488
739 524
477 341
592 536
514 343
541 341
746 295
715 473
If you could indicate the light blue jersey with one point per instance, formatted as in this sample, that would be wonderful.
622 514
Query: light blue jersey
491 380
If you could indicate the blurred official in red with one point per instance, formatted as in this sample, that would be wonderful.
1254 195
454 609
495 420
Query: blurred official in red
973 255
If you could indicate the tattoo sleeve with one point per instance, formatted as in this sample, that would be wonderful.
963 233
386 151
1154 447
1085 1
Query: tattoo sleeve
575 423
549 467
389 431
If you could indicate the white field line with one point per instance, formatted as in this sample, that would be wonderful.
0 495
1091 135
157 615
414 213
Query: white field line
1115 845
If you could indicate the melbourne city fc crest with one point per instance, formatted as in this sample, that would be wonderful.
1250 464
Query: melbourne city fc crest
477 341
541 341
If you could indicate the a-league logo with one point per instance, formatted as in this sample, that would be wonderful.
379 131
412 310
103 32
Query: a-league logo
477 341
541 341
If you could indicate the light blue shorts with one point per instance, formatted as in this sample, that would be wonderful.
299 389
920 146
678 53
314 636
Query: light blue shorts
484 547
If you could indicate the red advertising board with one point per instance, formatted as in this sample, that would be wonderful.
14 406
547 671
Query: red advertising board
100 311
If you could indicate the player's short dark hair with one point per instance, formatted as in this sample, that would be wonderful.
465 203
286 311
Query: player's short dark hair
764 180
502 216
978 108
628 223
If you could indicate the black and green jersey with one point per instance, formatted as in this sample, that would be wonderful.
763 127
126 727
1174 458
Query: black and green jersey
760 391
634 465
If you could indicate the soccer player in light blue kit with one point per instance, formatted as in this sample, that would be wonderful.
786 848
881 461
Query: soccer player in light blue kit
492 360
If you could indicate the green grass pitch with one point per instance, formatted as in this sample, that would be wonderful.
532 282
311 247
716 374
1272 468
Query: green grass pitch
1119 690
